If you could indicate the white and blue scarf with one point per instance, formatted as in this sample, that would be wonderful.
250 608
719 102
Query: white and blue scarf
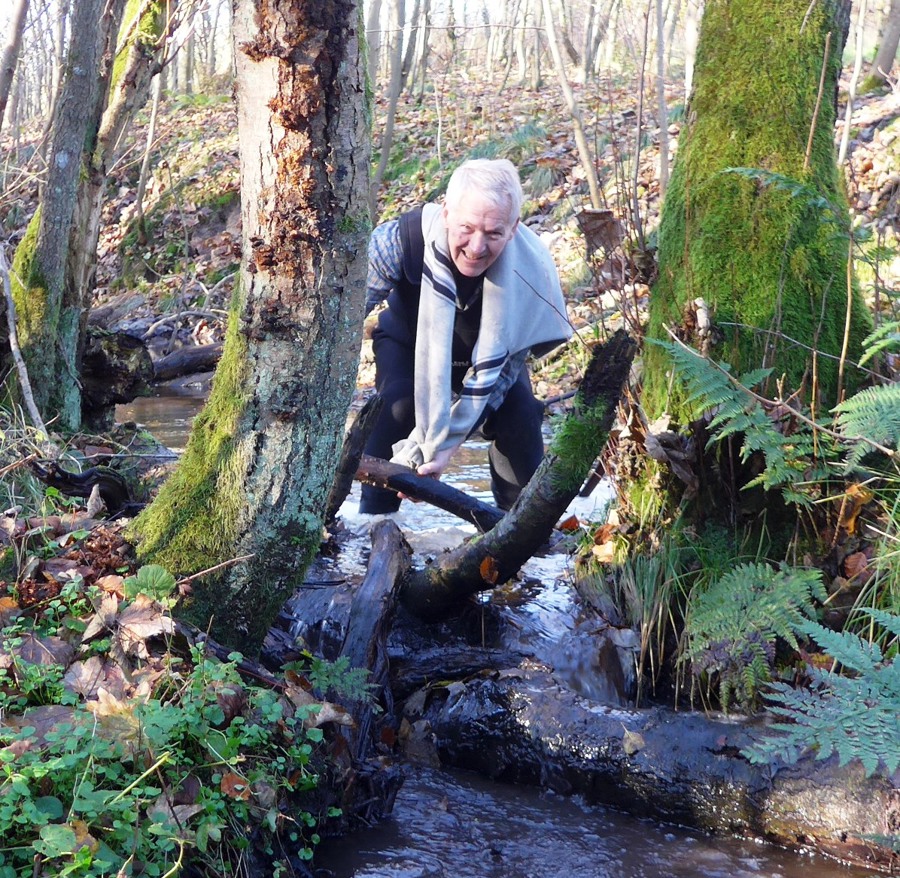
523 307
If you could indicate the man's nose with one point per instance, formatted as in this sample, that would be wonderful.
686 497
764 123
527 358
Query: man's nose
478 243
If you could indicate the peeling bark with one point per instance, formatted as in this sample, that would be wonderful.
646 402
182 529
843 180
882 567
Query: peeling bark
259 464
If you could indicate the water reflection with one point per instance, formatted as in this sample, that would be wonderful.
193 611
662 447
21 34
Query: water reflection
457 825
167 417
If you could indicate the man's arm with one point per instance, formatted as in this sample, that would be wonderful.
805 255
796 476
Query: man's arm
385 263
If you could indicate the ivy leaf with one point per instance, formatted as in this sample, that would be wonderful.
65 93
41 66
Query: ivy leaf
56 840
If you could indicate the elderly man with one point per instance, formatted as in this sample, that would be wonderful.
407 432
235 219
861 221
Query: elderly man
470 293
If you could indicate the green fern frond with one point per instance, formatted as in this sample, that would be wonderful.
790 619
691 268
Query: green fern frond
855 714
885 338
873 413
732 627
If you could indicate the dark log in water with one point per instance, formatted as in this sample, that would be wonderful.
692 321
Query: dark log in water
685 768
384 474
186 361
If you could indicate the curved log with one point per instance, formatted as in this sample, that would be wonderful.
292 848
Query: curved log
496 557
396 477
524 727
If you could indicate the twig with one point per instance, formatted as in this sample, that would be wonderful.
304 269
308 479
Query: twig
773 403
845 344
193 576
215 315
815 118
24 381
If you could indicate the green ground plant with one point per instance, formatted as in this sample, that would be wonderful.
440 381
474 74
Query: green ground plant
190 764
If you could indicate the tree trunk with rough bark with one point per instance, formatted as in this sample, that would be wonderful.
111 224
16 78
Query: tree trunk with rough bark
257 471
40 265
10 56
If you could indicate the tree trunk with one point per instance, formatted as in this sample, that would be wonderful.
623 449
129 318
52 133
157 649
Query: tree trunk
494 558
887 49
41 258
584 151
255 477
373 39
10 56
387 135
761 258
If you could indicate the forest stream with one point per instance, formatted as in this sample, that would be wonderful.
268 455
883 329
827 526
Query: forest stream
451 823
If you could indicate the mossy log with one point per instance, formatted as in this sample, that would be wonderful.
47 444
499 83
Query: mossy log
497 556
523 726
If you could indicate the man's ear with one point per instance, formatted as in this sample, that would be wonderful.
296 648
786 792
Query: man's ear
445 213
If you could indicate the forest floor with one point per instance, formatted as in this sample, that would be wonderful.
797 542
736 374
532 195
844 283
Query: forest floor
172 286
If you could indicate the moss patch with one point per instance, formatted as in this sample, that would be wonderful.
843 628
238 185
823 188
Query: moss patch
192 524
761 257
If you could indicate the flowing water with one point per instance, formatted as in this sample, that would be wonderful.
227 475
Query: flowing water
448 824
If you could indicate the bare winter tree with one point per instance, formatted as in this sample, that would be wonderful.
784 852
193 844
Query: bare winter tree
10 55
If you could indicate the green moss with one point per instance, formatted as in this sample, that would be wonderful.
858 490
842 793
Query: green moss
148 30
575 443
193 523
759 256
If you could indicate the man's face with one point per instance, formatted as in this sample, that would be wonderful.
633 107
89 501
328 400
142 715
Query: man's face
477 232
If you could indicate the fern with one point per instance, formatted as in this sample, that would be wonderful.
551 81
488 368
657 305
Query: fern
709 388
885 338
855 714
732 627
873 413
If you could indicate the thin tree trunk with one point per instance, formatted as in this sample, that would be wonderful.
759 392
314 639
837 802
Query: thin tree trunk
887 47
409 56
373 39
584 151
387 135
10 56
854 80
41 258
158 87
661 100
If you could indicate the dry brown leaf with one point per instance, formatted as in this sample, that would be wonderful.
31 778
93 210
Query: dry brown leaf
234 786
489 570
328 713
632 742
164 811
137 623
103 619
856 565
112 584
9 610
43 650
605 553
87 677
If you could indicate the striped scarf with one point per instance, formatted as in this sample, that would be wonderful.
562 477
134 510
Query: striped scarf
522 306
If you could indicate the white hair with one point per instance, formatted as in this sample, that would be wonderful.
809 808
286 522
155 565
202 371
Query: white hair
496 179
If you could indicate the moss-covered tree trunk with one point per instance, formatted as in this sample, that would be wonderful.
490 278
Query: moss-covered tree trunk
256 474
768 260
56 261
40 263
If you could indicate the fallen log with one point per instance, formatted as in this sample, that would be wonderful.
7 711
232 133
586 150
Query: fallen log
522 726
368 626
384 474
497 556
186 361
